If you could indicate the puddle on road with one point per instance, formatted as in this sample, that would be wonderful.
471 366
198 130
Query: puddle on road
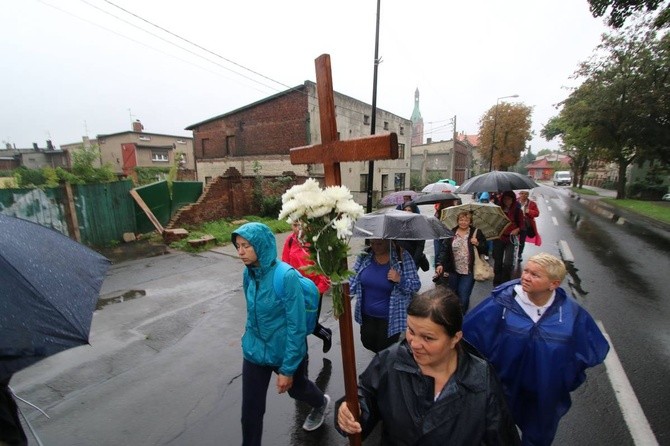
128 295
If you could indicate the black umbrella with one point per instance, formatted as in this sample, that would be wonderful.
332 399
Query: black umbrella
49 286
401 225
434 198
496 181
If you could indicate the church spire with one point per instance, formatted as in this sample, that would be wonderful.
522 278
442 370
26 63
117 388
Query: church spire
417 121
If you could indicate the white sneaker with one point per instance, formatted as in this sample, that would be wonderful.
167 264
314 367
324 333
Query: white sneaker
315 418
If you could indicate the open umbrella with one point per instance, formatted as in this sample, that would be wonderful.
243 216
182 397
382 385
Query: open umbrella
487 217
439 187
398 197
496 181
402 225
49 286
434 198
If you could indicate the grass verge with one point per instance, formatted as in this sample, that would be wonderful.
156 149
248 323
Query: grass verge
222 230
651 209
577 190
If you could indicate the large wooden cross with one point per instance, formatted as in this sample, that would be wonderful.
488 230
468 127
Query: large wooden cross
331 152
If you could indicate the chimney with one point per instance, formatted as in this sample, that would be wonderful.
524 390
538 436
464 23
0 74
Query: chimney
50 145
35 147
137 126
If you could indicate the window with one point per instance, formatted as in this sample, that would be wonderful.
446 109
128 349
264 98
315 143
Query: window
399 181
204 145
160 156
144 138
401 151
386 125
230 144
364 183
402 130
366 119
208 180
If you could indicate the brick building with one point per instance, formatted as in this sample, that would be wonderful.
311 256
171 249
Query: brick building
447 158
260 135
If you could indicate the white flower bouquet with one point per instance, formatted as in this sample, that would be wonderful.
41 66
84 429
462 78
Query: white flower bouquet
326 216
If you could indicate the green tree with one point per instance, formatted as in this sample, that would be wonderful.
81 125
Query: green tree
620 10
512 124
83 161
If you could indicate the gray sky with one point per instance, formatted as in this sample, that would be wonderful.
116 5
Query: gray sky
70 69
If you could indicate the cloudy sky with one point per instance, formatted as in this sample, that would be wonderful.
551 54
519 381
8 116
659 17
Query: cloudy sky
86 67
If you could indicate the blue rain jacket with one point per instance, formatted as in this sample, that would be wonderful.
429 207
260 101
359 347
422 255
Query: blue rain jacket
275 331
539 363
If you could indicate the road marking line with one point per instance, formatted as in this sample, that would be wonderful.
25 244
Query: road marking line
549 208
638 425
565 251
553 219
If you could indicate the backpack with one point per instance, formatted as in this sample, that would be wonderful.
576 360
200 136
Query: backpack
310 293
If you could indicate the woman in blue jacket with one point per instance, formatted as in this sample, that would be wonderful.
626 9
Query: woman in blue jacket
274 339
540 341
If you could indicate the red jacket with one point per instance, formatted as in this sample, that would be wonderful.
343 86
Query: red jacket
297 256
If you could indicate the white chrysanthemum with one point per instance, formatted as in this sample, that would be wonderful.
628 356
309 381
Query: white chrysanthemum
343 227
338 193
311 185
351 209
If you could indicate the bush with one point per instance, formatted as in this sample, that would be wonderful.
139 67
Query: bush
270 207
646 191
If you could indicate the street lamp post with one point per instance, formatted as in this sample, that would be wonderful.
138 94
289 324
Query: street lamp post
495 123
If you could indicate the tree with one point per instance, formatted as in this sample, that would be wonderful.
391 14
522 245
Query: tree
622 109
512 124
622 9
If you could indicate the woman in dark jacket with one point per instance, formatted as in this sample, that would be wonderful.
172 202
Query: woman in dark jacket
432 388
457 258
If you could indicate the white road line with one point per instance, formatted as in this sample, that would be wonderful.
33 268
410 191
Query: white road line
630 406
565 251
549 208
553 219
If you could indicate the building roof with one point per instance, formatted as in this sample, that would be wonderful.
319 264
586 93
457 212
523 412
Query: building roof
541 163
130 132
473 140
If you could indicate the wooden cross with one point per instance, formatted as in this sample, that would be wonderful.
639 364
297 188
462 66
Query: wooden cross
331 152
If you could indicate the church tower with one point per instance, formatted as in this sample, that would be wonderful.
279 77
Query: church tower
417 122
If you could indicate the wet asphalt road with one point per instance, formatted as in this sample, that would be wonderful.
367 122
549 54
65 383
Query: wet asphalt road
164 363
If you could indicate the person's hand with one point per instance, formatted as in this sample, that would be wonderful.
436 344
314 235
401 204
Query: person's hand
515 231
346 421
393 275
284 383
474 241
439 269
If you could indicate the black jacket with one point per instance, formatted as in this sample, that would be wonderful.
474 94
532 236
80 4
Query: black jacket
393 390
446 255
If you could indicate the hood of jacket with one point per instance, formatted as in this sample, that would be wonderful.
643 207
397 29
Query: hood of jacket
504 295
263 240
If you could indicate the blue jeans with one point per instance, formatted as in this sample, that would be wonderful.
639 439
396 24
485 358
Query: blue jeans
255 381
462 285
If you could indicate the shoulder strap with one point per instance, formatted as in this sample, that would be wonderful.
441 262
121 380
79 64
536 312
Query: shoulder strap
278 278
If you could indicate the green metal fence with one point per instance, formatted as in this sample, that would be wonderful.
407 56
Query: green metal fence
104 211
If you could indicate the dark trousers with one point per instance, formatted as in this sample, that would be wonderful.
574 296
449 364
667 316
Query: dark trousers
255 381
320 331
374 334
11 431
522 241
503 260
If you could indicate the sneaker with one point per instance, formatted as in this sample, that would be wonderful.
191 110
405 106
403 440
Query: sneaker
316 416
327 340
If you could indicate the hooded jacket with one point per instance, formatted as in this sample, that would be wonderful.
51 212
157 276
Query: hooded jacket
472 411
540 363
275 330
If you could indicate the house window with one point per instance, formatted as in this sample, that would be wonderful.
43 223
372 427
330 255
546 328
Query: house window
399 181
366 119
208 180
181 141
402 130
144 138
230 145
204 145
364 183
386 125
401 151
160 156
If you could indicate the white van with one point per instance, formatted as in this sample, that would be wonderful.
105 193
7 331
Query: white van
562 178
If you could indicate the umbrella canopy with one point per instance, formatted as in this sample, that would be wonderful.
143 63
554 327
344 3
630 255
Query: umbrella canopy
436 188
447 180
402 225
496 181
398 197
434 198
49 286
487 217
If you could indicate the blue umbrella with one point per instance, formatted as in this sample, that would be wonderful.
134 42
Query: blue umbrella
49 287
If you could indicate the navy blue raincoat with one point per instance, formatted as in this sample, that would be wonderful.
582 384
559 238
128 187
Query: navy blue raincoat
539 363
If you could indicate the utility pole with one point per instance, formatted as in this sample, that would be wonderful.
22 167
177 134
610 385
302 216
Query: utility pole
373 120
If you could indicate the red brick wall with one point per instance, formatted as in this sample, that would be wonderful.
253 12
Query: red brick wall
268 128
227 196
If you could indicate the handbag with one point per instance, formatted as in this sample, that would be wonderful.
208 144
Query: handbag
482 270
530 230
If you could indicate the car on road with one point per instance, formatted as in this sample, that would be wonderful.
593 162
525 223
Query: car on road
562 178
666 197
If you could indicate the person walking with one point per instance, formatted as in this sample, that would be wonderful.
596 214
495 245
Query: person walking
530 213
540 341
503 248
295 254
432 388
274 339
383 283
457 258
